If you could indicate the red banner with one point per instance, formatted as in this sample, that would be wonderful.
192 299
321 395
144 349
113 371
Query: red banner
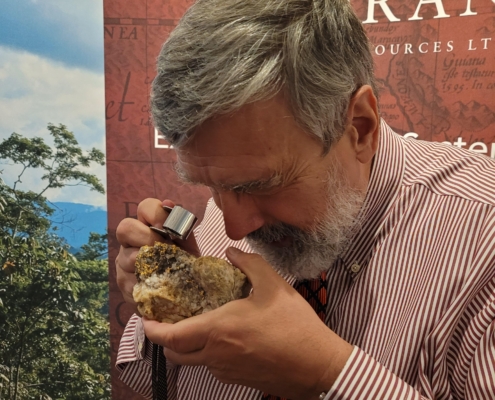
435 63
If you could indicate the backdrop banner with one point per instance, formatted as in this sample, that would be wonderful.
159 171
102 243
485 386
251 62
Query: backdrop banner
435 63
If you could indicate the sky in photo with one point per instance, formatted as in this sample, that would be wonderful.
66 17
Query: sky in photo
51 71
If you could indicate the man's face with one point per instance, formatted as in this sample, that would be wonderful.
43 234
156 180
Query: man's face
295 206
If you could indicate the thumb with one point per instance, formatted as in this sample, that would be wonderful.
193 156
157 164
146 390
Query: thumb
257 270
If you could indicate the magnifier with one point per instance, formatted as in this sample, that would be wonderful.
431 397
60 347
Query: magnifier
178 225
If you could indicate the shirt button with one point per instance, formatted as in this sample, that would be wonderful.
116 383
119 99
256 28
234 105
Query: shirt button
140 346
355 268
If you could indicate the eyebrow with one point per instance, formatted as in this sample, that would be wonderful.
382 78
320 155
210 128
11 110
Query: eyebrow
242 187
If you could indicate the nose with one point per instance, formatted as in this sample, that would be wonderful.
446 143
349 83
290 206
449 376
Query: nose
241 215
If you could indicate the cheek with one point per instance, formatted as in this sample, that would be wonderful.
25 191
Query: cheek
300 207
352 172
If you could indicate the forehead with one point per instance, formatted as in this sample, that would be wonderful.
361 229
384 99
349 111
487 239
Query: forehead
253 143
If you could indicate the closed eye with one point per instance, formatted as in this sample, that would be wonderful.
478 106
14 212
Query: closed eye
250 187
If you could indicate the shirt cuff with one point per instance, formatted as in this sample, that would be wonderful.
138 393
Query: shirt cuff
132 344
133 360
363 378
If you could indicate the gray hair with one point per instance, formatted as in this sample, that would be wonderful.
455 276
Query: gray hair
226 53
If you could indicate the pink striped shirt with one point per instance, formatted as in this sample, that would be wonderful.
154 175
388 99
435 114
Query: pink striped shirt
415 293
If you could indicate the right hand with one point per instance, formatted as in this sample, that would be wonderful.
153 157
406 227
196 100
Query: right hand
134 233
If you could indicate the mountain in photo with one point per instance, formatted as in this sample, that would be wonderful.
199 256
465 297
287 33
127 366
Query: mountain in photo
74 222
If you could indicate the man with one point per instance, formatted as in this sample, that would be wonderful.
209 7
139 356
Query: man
272 105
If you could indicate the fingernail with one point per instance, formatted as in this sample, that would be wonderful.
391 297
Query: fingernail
233 251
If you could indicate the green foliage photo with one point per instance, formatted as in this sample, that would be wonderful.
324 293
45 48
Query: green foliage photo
54 331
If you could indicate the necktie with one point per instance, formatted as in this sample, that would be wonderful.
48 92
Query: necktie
314 292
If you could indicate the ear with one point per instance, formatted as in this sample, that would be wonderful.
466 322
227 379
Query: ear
363 123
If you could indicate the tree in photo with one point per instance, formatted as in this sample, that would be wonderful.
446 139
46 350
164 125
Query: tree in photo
95 249
53 307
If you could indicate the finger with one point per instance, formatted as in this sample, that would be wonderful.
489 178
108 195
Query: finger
133 233
126 259
168 203
124 273
186 336
126 282
258 271
193 359
150 212
126 279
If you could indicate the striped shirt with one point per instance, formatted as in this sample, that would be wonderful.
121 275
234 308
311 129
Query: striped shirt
414 293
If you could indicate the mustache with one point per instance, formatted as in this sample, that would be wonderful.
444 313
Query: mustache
278 231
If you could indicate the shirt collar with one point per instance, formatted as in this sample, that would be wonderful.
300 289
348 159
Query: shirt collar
385 181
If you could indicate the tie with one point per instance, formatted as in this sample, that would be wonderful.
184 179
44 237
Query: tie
314 292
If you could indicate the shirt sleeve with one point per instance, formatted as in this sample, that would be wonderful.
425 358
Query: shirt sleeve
134 361
364 378
481 377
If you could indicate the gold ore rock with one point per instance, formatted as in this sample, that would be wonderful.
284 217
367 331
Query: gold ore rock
174 285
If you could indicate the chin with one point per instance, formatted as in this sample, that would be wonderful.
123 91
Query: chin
293 260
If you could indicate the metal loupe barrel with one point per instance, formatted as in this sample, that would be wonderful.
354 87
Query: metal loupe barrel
179 223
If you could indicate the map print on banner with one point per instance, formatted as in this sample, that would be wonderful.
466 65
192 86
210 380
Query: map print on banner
435 64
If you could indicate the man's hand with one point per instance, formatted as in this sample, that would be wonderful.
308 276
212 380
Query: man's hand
272 340
134 233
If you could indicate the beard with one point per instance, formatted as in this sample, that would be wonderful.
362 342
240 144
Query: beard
313 251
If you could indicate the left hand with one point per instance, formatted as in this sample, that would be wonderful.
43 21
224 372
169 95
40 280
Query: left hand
134 233
272 340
